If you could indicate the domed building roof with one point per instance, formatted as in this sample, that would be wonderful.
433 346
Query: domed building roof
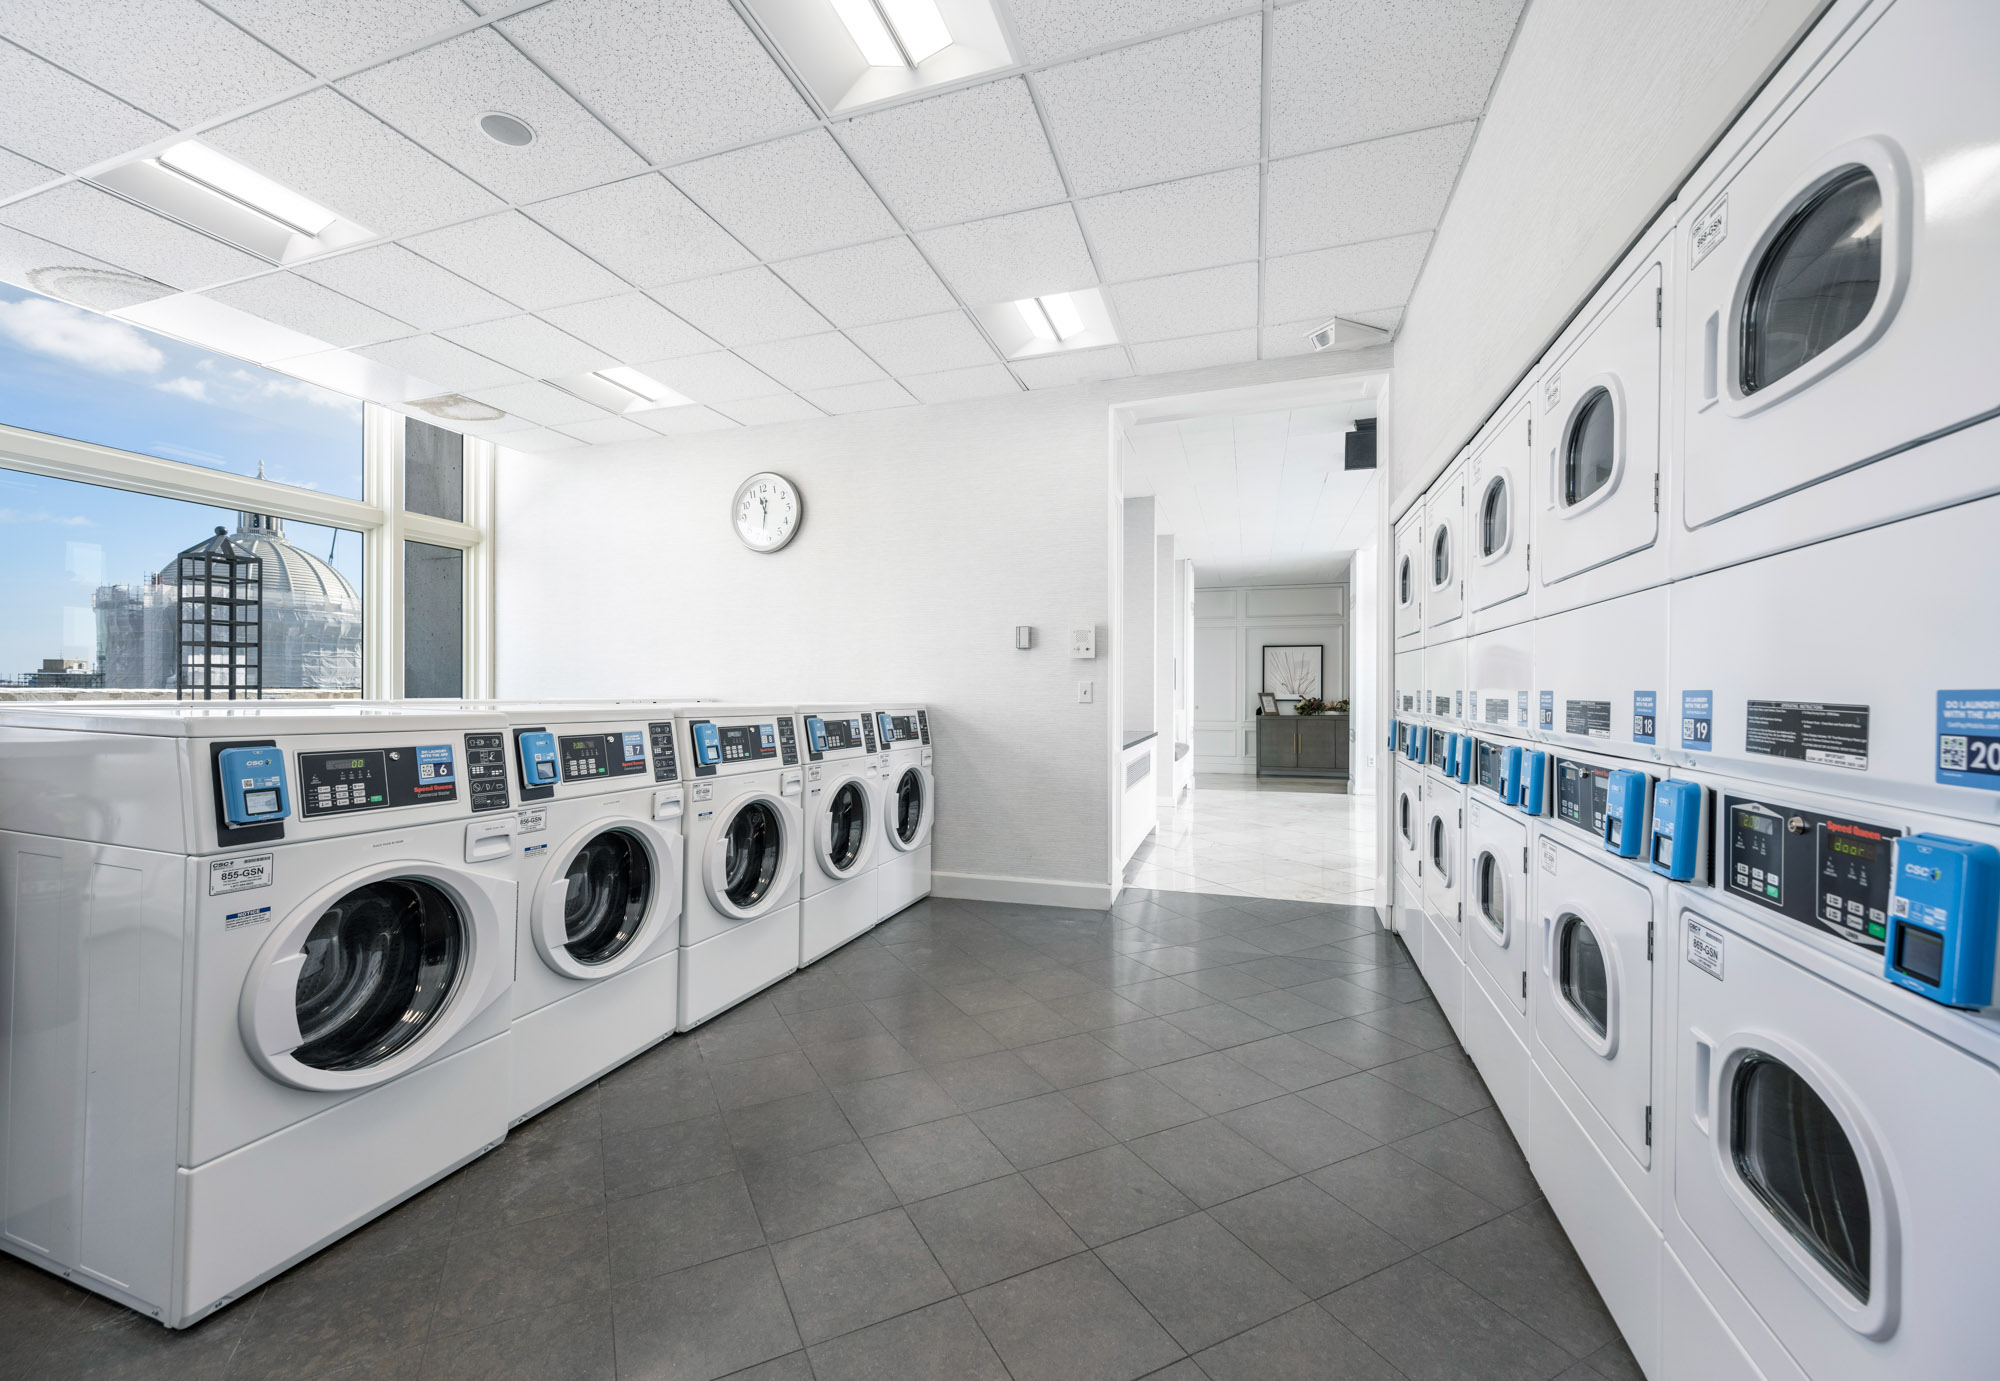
287 570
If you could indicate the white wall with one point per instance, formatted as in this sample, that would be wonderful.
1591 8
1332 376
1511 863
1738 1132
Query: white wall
1232 626
1600 112
1166 660
1365 620
929 533
1140 661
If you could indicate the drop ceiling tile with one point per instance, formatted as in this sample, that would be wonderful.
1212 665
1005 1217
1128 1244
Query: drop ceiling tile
54 271
393 279
1176 106
823 361
866 283
631 327
869 397
759 412
1371 191
306 306
331 36
1402 65
606 431
176 59
101 225
790 196
1051 29
510 255
645 230
325 146
443 363
436 96
742 308
1006 258
1187 304
953 385
974 153
676 77
925 344
537 440
530 345
18 174
1073 367
717 378
682 421
1196 352
1355 278
1194 223
53 118
539 403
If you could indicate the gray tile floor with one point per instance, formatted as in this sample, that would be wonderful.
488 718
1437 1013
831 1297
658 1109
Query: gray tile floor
1193 1136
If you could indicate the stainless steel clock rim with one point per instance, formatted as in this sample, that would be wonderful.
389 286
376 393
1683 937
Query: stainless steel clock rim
736 503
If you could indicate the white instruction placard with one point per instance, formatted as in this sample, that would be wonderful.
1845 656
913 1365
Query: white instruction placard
239 874
1704 948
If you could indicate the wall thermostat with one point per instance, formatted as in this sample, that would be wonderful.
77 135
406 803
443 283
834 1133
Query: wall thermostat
1083 643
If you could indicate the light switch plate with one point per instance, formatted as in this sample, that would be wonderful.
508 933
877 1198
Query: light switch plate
1085 691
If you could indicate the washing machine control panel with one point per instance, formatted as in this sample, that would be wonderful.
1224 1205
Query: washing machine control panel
846 734
376 778
665 768
587 757
1820 870
902 728
486 771
735 745
1582 790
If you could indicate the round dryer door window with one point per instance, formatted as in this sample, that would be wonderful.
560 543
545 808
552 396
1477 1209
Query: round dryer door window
1792 1152
753 852
380 966
1585 982
909 805
1817 281
610 889
1590 454
846 827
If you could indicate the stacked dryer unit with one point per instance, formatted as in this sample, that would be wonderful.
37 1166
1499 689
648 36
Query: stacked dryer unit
1759 1042
909 806
257 960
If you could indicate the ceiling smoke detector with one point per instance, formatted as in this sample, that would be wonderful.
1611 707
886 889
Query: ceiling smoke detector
503 128
456 407
1342 334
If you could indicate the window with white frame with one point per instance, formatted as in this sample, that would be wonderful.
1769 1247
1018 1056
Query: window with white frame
359 536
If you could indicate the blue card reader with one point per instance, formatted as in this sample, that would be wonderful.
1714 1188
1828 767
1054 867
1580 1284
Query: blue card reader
1676 847
253 785
1392 733
1625 813
816 733
1462 768
1510 775
708 744
540 764
1534 782
1944 909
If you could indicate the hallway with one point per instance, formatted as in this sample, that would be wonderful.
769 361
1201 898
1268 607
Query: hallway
1292 838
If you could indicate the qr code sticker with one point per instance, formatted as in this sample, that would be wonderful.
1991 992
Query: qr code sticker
1951 752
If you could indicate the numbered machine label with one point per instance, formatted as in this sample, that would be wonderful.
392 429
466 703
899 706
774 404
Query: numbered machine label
1968 739
1697 721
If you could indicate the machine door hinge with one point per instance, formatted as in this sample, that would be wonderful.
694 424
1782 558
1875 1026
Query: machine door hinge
1659 307
1461 913
1649 942
1656 491
1649 1124
1524 985
1531 433
1524 868
1461 819
1530 563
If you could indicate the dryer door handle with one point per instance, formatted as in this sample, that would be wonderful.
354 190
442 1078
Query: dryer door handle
1701 1069
1548 947
555 925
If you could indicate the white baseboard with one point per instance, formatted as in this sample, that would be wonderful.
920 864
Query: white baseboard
1094 896
1242 767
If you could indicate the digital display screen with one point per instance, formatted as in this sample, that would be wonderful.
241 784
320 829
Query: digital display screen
747 742
260 802
350 764
1920 954
1762 824
840 733
1853 848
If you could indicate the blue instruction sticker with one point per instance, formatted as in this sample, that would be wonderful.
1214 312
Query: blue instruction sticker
1698 721
1548 710
1968 745
1521 709
434 764
1645 717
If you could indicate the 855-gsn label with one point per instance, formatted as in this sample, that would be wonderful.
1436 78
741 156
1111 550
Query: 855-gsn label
241 874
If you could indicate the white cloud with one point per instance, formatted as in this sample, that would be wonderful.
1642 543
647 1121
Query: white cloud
311 393
187 388
51 328
42 515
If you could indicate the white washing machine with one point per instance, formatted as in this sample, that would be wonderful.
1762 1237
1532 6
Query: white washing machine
1443 857
1832 1133
1409 578
1594 997
1498 922
257 959
1598 434
909 806
1500 679
599 860
1855 666
1445 683
1409 837
1498 493
745 843
1841 278
1601 674
841 894
1444 549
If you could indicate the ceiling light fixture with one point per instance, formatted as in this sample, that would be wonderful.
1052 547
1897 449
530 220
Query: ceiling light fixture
1037 318
894 33
211 192
218 172
643 386
1074 320
503 128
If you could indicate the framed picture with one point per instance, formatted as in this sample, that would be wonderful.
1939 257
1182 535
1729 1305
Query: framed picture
1268 702
1293 671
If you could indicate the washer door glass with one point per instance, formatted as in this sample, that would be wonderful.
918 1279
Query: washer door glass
610 889
1793 1153
1591 451
1586 986
380 967
847 824
1817 280
909 805
752 851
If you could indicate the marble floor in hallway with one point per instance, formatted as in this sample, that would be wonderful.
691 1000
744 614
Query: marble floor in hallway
1296 839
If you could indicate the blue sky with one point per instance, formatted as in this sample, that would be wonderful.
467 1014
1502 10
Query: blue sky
73 373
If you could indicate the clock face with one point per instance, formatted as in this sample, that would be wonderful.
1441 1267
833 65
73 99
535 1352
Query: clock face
767 511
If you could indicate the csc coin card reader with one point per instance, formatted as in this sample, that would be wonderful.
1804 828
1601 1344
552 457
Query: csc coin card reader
1679 843
253 785
1624 823
1943 913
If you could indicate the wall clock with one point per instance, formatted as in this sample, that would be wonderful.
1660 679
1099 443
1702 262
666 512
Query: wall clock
767 511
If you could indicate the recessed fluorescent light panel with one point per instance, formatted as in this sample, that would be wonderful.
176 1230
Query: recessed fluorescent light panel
853 53
213 193
1054 321
622 388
